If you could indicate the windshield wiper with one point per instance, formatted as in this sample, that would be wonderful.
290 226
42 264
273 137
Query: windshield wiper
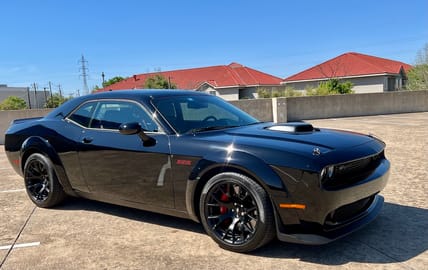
202 129
255 123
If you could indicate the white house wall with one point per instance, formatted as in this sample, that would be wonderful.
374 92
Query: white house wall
368 84
225 93
228 93
361 85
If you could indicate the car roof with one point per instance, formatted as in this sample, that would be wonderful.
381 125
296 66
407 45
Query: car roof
144 93
140 95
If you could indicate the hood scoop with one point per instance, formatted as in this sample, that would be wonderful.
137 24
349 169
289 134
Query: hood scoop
292 127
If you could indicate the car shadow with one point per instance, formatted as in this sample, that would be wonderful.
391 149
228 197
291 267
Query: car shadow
132 213
397 235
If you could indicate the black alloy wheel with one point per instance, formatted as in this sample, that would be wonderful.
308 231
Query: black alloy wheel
236 212
41 183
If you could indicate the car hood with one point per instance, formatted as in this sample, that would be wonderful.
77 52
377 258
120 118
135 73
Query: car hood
324 138
311 149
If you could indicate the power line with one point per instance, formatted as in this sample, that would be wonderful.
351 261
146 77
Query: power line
84 74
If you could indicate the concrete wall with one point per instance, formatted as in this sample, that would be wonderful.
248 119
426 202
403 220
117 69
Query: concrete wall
259 108
298 108
318 107
6 117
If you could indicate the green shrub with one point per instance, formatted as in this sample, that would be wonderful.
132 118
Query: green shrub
331 87
285 92
13 103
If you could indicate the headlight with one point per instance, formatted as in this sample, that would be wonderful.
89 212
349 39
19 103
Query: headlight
330 171
327 172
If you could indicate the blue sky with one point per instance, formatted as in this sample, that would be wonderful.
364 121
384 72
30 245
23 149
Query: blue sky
42 41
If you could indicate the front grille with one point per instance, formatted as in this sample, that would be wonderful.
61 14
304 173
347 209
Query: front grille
349 211
349 173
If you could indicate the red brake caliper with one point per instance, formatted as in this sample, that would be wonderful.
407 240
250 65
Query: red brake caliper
224 198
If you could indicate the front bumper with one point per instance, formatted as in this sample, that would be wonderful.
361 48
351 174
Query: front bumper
320 236
330 214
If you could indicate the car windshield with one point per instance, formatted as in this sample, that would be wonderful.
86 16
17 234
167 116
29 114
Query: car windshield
198 113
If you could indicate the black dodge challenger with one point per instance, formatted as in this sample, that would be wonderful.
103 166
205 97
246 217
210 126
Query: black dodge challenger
193 155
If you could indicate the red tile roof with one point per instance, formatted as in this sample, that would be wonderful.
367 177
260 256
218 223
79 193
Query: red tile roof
350 64
232 75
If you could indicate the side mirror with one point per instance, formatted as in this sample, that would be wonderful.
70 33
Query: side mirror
130 128
135 128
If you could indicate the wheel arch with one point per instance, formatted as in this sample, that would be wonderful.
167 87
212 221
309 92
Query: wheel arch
36 144
242 163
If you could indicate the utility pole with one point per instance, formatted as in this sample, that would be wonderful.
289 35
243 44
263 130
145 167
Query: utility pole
28 95
59 89
103 76
50 90
35 95
84 74
46 96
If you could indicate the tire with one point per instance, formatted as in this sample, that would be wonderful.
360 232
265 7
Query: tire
41 182
236 212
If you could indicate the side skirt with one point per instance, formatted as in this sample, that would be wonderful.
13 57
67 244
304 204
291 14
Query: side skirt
146 207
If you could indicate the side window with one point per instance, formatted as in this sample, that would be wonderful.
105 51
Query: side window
82 116
111 114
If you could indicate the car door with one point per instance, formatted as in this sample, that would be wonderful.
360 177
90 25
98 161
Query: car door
120 166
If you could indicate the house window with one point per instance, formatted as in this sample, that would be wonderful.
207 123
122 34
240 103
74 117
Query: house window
212 92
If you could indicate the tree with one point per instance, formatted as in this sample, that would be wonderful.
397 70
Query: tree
422 56
55 100
113 81
417 77
13 103
158 82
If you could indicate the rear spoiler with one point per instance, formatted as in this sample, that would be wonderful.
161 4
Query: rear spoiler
22 120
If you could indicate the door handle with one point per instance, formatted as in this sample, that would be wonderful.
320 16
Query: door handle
87 139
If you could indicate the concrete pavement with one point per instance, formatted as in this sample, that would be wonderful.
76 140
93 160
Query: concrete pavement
83 234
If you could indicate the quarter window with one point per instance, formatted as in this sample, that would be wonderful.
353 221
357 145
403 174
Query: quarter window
82 116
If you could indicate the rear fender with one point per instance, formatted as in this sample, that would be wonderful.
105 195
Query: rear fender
36 144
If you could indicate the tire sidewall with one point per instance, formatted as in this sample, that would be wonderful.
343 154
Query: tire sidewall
257 239
52 178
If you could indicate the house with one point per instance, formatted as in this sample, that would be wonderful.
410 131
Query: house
231 82
368 74
33 99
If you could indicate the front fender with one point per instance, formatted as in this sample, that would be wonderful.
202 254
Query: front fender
248 163
36 144
218 162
